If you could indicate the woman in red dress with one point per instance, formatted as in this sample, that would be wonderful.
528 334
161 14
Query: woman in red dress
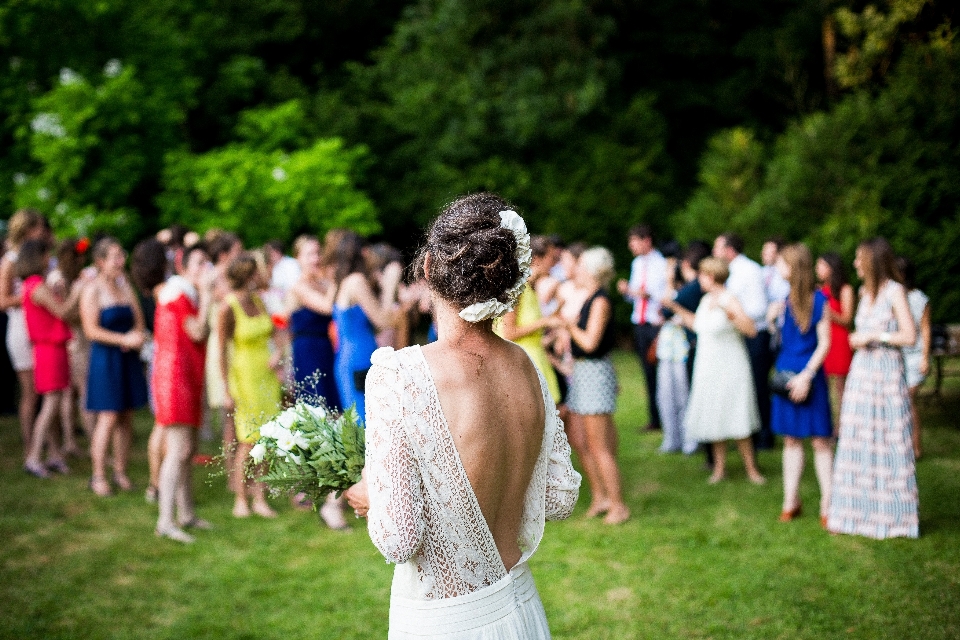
49 334
180 334
839 293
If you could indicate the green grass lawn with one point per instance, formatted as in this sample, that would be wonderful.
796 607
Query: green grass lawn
696 561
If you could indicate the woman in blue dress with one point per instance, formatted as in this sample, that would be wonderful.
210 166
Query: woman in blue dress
359 313
113 323
804 412
311 300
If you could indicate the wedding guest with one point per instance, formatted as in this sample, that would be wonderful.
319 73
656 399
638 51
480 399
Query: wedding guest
43 312
916 357
774 284
746 284
181 328
524 325
874 477
311 301
148 270
249 374
114 324
224 247
593 385
675 350
645 289
284 269
547 285
385 264
833 284
464 462
25 224
70 274
805 411
358 313
722 405
570 299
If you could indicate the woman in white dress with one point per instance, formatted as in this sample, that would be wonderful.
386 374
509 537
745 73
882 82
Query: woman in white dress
466 457
722 403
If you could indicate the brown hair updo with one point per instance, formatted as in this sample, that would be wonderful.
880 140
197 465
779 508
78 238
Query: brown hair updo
241 270
472 258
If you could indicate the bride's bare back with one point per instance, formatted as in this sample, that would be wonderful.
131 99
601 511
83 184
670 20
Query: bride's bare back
491 398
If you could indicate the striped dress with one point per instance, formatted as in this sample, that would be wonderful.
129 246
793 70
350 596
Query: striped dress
874 480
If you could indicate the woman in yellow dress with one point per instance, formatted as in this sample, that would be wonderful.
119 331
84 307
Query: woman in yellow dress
525 324
249 373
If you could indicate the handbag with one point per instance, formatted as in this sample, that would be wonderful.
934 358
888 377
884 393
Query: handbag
779 380
360 380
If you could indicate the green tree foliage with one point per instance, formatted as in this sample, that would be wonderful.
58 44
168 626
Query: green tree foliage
94 146
267 185
730 175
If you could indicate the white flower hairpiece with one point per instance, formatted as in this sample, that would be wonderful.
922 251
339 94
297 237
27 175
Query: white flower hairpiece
493 308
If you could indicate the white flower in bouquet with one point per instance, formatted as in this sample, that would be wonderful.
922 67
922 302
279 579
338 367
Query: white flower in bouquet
307 449
258 452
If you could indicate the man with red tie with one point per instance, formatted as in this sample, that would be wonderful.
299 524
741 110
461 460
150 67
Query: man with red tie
645 289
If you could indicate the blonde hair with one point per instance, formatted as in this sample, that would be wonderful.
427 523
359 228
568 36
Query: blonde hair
800 260
21 224
303 241
598 262
715 268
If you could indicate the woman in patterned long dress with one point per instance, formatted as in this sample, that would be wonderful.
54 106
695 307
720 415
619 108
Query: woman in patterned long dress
874 480
465 455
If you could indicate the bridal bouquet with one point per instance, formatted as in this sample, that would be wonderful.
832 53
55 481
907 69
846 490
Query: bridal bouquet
308 450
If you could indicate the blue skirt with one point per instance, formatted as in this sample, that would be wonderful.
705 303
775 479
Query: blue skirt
805 420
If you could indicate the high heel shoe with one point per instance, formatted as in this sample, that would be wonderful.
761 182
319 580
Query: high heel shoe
123 482
36 470
792 514
823 522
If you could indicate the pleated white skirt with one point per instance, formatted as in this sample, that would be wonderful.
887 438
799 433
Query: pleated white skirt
507 610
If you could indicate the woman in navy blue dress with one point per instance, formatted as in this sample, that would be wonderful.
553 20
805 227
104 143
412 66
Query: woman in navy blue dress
312 303
113 323
805 411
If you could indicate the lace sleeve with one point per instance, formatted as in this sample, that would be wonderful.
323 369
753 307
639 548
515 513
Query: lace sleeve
395 519
563 482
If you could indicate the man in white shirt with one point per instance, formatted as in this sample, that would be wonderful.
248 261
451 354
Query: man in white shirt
776 287
645 289
746 284
284 270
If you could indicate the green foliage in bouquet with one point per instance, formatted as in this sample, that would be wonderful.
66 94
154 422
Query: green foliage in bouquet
306 449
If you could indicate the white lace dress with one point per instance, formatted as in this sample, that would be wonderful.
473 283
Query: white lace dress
450 581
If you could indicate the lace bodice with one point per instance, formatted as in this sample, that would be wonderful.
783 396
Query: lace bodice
423 512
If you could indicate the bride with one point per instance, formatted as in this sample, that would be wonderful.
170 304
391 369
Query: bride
466 457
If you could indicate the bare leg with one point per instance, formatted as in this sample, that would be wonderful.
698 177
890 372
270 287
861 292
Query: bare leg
598 429
577 436
917 449
179 444
155 454
745 446
248 486
106 421
39 435
122 439
792 471
229 451
823 463
28 405
719 462
67 423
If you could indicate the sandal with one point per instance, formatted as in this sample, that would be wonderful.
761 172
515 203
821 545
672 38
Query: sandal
175 534
101 487
36 470
197 523
58 466
123 482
